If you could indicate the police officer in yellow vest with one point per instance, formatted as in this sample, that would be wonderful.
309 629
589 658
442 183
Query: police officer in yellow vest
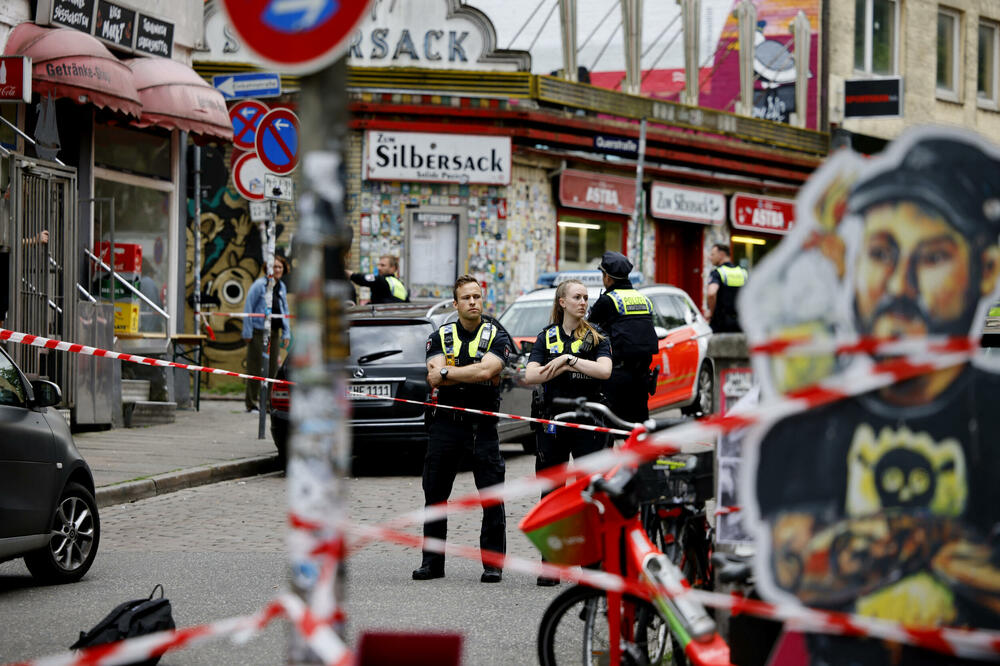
724 283
385 284
627 316
464 362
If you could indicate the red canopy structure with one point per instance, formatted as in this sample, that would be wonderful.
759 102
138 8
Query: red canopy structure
175 97
72 64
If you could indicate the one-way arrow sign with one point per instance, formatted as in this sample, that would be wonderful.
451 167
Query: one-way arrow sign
248 84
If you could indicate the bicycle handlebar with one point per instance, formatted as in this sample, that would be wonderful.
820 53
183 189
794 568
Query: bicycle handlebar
584 409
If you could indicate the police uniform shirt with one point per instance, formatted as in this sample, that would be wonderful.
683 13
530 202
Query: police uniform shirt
729 285
385 288
632 335
570 384
484 395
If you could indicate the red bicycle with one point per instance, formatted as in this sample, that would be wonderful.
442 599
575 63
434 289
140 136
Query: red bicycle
595 521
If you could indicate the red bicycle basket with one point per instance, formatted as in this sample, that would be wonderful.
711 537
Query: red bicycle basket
564 528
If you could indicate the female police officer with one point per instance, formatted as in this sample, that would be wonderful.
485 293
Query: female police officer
570 358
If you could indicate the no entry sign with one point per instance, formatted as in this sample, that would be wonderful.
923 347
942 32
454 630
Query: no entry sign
248 176
277 141
295 35
246 117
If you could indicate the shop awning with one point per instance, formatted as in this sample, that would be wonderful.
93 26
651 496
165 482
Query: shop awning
72 64
175 97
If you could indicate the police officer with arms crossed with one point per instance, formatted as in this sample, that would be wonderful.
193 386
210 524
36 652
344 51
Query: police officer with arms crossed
385 284
569 359
464 361
627 316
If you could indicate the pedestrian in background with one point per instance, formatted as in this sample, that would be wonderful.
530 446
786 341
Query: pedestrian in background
464 361
569 359
627 317
253 328
385 285
724 283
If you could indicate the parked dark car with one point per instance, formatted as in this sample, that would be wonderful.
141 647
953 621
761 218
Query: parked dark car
388 358
48 514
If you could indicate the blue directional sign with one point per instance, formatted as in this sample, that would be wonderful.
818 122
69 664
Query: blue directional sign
248 84
277 141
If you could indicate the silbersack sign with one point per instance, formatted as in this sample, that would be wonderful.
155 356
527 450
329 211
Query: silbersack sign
687 204
437 158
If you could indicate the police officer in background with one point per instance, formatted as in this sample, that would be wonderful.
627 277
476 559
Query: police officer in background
627 316
385 284
569 359
464 362
724 283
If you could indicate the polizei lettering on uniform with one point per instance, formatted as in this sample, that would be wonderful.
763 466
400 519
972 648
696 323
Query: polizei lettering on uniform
399 156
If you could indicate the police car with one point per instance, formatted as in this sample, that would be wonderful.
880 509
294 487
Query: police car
685 374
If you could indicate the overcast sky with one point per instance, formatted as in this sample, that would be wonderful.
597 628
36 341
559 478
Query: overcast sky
509 16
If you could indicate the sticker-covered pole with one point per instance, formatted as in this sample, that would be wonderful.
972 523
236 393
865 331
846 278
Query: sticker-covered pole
320 442
267 246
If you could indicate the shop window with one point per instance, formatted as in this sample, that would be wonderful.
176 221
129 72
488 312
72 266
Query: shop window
141 216
876 25
948 42
583 242
140 152
749 249
987 80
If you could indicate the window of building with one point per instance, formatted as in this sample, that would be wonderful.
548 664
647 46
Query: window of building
948 59
876 25
582 242
145 152
988 63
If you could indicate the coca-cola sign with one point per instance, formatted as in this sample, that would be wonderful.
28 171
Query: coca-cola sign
765 214
597 191
687 204
15 79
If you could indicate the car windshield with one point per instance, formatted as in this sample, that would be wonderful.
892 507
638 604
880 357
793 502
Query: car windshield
372 339
526 320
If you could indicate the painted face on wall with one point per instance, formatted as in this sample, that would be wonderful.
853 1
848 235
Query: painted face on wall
913 273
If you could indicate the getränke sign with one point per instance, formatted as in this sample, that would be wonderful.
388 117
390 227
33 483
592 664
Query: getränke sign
751 212
437 158
687 204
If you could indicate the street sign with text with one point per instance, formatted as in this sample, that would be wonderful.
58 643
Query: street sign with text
278 188
248 84
299 36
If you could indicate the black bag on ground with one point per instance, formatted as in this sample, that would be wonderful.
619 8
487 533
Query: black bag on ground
132 618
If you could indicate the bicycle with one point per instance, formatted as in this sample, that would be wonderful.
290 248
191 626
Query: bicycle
596 520
673 490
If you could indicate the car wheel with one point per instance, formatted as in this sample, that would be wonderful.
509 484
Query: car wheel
75 533
704 399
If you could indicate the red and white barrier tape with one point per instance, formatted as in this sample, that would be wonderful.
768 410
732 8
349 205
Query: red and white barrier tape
321 638
907 346
247 315
58 345
953 641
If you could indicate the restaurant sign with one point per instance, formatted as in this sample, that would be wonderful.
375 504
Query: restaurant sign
597 191
687 204
113 23
437 158
768 215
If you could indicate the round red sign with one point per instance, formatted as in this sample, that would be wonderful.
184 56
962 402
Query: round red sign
295 35
248 176
245 118
277 141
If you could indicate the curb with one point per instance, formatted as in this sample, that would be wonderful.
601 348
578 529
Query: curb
130 491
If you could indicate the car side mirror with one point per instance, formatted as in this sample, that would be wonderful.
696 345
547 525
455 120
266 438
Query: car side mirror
46 393
661 332
527 346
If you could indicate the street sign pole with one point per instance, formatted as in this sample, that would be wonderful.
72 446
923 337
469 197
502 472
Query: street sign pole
321 444
196 158
267 245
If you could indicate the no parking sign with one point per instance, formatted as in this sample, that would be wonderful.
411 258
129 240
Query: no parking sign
277 141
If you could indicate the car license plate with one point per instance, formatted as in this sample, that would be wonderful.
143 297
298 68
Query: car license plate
370 390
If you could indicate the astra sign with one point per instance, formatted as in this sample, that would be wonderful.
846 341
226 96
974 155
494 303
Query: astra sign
437 158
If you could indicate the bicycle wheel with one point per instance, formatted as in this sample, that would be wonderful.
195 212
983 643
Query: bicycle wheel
574 630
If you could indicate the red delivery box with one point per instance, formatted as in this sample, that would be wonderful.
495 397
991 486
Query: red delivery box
128 256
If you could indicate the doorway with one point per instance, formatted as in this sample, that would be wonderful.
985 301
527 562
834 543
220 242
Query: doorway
679 257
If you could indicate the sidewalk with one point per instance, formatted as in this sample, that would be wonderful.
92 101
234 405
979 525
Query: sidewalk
216 443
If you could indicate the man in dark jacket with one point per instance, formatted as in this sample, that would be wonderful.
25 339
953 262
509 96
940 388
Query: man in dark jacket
627 317
385 284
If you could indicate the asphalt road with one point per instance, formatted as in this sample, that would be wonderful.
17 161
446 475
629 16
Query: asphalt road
219 552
